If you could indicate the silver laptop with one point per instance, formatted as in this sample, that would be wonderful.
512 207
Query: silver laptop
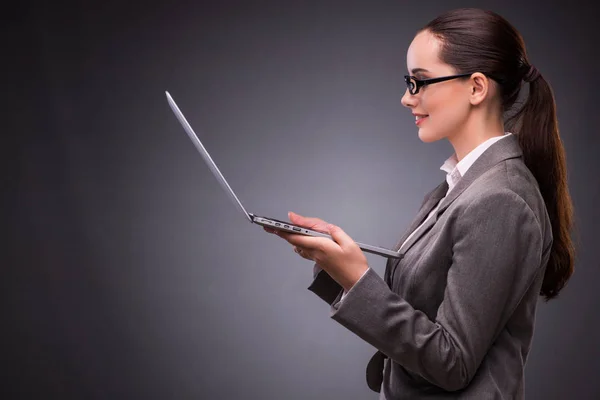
263 221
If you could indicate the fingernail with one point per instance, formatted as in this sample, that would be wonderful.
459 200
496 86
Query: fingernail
290 214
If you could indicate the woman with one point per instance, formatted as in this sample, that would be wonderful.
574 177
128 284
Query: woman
454 317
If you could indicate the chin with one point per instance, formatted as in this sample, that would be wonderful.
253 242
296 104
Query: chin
428 137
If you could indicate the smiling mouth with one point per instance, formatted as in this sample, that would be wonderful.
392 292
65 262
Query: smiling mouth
420 118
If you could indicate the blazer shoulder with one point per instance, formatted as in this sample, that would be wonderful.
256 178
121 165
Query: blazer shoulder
508 176
510 186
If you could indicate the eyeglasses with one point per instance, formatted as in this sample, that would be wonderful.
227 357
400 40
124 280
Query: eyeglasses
413 84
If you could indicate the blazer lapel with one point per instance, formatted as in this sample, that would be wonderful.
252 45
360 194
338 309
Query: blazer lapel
500 151
429 202
421 230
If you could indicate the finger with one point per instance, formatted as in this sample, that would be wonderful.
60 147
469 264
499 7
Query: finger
303 253
339 236
317 247
306 242
275 231
316 224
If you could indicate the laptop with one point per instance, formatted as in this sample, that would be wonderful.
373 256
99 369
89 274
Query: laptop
263 221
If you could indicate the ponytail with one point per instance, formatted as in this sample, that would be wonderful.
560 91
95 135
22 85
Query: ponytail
536 127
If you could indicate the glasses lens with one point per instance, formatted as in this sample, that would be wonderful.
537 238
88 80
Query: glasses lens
410 84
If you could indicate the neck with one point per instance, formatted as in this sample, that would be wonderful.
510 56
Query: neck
475 132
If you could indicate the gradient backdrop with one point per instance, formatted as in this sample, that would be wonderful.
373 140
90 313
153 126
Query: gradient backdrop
130 275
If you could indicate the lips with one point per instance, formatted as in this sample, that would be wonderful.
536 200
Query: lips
419 118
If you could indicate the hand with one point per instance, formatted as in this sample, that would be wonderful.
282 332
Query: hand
341 257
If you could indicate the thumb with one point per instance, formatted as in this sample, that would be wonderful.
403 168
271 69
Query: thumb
295 218
308 222
339 236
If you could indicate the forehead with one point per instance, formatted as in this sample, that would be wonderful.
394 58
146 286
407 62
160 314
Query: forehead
423 52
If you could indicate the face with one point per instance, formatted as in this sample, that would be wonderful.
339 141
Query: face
440 109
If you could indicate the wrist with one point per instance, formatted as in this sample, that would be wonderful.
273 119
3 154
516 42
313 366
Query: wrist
351 279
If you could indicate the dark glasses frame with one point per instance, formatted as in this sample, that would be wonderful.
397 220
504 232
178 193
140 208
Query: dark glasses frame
414 84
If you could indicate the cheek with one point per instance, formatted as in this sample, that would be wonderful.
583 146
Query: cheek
447 114
451 115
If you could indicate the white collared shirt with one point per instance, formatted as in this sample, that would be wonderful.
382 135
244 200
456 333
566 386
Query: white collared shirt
454 170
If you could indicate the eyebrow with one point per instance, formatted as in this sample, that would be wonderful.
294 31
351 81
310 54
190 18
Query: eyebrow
417 70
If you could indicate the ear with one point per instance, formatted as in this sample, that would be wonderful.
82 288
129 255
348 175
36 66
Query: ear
479 85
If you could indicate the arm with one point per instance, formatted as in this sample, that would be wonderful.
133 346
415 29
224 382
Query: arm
496 254
324 286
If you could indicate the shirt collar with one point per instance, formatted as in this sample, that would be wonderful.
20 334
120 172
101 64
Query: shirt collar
455 169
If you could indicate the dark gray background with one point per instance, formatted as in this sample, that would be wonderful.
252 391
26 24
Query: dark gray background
128 272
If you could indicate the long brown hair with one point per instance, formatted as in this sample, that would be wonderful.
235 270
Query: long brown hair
475 40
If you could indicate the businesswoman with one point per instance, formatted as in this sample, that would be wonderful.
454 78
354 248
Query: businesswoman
454 317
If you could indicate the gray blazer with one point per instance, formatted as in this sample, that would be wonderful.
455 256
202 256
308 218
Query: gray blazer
455 315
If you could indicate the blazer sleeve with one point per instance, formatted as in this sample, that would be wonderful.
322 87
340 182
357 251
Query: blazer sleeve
497 251
325 286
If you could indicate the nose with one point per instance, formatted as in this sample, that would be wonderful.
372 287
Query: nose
408 100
